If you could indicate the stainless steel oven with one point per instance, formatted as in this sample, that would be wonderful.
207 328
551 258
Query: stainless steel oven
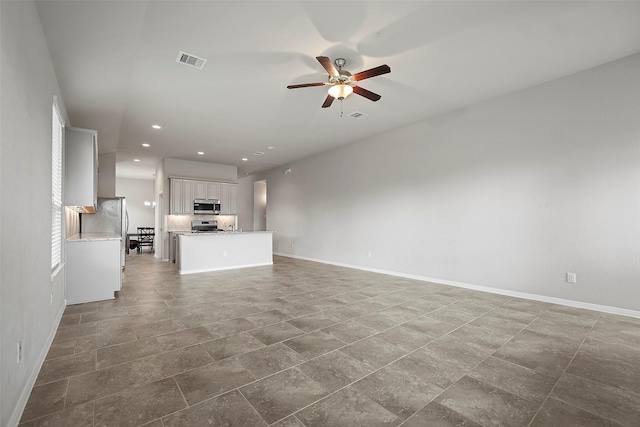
206 207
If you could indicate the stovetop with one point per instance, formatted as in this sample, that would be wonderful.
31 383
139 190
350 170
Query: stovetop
203 226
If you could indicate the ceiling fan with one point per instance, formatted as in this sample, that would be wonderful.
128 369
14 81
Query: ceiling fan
342 83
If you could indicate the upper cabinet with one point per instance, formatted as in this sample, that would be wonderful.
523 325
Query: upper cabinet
187 196
185 191
228 199
213 190
200 190
81 169
206 190
182 195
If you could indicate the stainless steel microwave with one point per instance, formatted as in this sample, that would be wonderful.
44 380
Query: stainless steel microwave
206 207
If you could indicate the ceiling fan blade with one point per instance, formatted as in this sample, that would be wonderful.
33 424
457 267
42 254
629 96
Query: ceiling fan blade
328 65
328 101
366 93
383 69
304 85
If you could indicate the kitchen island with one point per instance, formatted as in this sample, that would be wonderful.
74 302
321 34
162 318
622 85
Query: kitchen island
200 252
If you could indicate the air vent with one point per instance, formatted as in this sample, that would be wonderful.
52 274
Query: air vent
188 59
357 115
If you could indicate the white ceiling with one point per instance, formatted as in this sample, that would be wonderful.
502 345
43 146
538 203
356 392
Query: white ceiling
117 69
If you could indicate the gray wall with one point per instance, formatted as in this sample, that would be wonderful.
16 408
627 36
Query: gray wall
28 85
508 194
106 174
136 192
245 202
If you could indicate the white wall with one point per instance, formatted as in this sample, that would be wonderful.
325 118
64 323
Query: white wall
106 173
509 194
260 205
245 202
189 169
136 192
28 85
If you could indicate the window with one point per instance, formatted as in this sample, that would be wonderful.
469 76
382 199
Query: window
56 189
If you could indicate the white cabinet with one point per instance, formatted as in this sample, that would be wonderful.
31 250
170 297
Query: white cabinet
187 196
228 199
185 191
200 190
182 196
206 190
81 169
93 270
213 190
176 196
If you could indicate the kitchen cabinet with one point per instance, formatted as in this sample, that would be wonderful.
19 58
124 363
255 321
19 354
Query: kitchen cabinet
185 191
81 169
176 196
182 196
200 190
213 190
228 199
187 196
206 190
93 267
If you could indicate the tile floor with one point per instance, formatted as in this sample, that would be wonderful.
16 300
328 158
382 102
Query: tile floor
306 344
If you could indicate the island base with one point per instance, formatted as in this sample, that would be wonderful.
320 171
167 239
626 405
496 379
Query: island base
199 253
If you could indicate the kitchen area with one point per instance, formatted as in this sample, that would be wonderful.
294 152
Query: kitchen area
197 227
203 229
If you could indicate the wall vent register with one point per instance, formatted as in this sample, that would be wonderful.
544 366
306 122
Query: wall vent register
191 60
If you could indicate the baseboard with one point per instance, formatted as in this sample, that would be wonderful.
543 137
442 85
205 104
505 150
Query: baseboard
225 268
535 297
26 391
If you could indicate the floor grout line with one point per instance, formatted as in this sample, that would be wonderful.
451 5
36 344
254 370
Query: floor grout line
453 298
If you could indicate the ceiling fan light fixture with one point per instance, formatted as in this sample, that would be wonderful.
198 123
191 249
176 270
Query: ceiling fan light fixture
340 91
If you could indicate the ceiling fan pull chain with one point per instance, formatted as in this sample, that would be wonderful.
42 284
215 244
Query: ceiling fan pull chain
341 109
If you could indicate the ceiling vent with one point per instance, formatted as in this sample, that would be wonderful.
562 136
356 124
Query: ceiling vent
188 59
357 115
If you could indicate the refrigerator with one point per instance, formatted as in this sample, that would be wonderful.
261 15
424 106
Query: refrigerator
110 217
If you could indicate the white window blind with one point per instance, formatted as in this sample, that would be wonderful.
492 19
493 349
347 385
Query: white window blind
56 189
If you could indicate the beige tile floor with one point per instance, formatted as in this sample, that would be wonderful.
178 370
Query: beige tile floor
306 344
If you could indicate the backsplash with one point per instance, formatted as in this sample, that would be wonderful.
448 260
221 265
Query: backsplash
183 222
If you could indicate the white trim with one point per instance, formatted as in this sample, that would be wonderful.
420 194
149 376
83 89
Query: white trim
26 391
543 298
225 268
56 271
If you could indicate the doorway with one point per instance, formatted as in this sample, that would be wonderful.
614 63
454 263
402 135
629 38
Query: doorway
260 205
159 237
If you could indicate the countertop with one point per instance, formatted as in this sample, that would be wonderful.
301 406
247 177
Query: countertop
208 233
89 237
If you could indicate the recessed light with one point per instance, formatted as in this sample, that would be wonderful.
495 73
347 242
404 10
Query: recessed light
258 153
156 126
146 145
244 159
136 160
201 152
271 147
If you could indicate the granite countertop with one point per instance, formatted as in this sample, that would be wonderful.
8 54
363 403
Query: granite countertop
208 233
90 237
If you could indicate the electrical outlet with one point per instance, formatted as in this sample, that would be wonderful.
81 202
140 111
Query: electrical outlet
571 278
19 357
369 254
224 254
292 245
